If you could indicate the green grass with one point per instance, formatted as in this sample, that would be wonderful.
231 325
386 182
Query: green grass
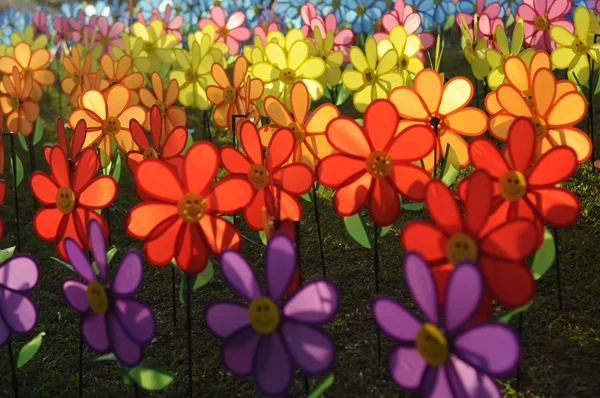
561 349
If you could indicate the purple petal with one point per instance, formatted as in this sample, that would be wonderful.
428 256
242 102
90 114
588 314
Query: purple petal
19 273
238 351
406 367
225 318
421 285
239 274
465 287
79 260
435 383
316 303
98 245
95 333
126 350
466 382
76 294
273 372
136 319
492 348
129 274
18 311
311 349
395 320
280 263
4 333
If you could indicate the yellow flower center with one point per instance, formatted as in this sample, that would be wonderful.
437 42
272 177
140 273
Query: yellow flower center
298 131
111 126
512 185
77 77
335 4
540 22
190 75
229 95
150 153
437 2
263 315
360 10
403 62
579 46
256 9
432 345
14 102
217 3
528 97
191 207
65 200
258 175
148 46
161 106
287 75
541 129
379 164
97 297
369 76
223 31
104 41
461 247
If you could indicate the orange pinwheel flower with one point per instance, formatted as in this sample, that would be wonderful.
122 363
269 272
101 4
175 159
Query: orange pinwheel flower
183 221
226 97
374 164
554 108
70 197
32 64
22 112
107 116
120 72
72 84
73 150
274 186
311 142
432 103
172 116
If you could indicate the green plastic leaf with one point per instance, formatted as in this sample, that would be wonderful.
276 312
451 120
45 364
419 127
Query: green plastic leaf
107 357
358 230
63 263
359 121
384 230
7 253
116 170
150 378
197 281
104 160
263 237
109 256
307 196
23 142
38 131
28 351
597 89
449 22
544 257
323 385
418 206
126 380
451 167
19 169
190 141
507 316
342 95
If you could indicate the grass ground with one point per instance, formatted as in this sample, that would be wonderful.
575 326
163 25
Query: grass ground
561 354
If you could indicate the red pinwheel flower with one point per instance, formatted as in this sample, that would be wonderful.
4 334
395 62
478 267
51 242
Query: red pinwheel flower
183 221
374 164
274 186
70 198
500 252
76 141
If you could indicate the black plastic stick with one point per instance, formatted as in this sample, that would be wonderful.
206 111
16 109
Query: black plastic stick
558 281
376 267
319 235
13 369
189 330
174 297
15 192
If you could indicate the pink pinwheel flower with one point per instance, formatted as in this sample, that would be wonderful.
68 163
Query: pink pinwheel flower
308 11
107 35
63 30
446 358
406 16
40 23
342 40
170 25
492 11
262 33
539 16
229 31
267 337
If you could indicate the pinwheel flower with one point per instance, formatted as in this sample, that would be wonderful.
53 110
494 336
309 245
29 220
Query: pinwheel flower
446 358
443 107
112 319
362 14
371 80
539 17
171 25
29 36
374 164
70 197
120 72
574 49
108 35
40 23
22 112
231 31
158 47
134 47
72 84
72 150
311 145
323 48
172 116
19 275
30 63
403 14
406 47
474 45
268 337
194 75
426 10
207 38
184 219
342 39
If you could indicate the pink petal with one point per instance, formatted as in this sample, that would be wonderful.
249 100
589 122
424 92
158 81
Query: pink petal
218 16
235 20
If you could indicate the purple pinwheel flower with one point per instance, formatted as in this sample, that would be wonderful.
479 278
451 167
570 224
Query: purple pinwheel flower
268 337
18 276
449 359
112 320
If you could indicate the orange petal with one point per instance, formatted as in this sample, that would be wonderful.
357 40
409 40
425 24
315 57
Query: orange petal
500 125
335 170
191 254
276 111
204 156
467 121
350 198
99 193
412 144
408 103
297 179
46 222
575 139
86 168
280 148
380 123
229 195
384 205
117 99
161 249
219 233
346 136
159 181
512 101
428 83
219 75
544 86
442 208
300 101
234 161
43 187
567 110
485 155
143 218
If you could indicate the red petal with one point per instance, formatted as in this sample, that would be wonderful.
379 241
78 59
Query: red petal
191 254
62 134
510 283
336 169
280 148
143 218
380 122
99 193
485 155
442 208
78 138
234 161
411 144
201 164
73 228
559 207
156 127
59 167
250 140
347 137
174 143
219 233
159 181
556 165
425 239
351 197
134 158
441 274
513 241
282 206
253 213
295 178
229 195
521 144
410 180
385 203
43 187
138 134
161 249
47 152
86 168
46 222
478 204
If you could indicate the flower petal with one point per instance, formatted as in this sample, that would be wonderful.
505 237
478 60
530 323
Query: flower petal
395 320
224 318
425 239
273 371
75 293
311 349
461 304
406 367
510 283
240 275
315 303
346 136
239 351
421 285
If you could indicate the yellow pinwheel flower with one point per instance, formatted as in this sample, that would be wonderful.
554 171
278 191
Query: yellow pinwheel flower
406 47
474 50
157 45
574 48
323 48
215 48
88 45
134 47
27 36
194 75
371 80
495 59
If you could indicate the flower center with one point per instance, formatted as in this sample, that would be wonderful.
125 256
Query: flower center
379 164
14 101
298 131
264 315
65 200
541 129
528 97
403 62
360 9
287 75
369 76
77 77
258 175
148 46
191 207
256 9
223 31
190 75
435 122
111 126
97 297
26 72
579 46
335 4
432 345
229 95
104 41
161 106
461 247
512 185
540 22
150 153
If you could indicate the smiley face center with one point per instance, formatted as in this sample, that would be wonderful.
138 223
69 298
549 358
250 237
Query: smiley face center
150 153
258 175
513 185
541 129
461 247
403 62
191 207
104 41
579 46
528 97
161 106
432 345
287 75
229 95
540 22
379 164
65 200
97 297
148 46
14 101
190 75
111 126
298 132
26 72
223 31
263 314
369 76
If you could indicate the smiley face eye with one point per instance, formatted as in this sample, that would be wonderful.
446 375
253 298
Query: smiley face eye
509 180
465 246
458 245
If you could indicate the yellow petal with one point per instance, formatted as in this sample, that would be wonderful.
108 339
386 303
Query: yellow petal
457 93
581 68
561 35
298 54
517 37
500 39
413 45
94 101
358 59
315 89
276 56
312 68
362 98
562 57
371 52
265 72
387 63
352 80
390 81
581 19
